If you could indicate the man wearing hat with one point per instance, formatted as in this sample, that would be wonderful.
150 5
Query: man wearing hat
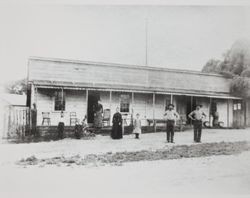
171 116
197 116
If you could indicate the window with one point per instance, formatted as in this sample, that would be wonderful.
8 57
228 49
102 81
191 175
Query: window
124 105
168 101
59 100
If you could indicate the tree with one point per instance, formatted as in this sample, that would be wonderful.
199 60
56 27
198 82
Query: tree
236 64
212 66
17 87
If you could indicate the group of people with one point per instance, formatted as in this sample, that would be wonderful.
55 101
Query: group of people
197 116
171 116
116 132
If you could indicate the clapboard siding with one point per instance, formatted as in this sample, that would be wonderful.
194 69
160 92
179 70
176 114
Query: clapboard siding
75 102
143 104
131 77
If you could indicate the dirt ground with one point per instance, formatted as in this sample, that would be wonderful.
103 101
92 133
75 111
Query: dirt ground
10 153
103 167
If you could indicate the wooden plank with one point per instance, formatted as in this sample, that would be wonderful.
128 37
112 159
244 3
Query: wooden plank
87 98
110 107
154 112
191 122
210 103
132 108
171 98
227 112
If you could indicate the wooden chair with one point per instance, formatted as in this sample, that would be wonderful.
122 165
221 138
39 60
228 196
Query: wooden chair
73 118
106 117
46 118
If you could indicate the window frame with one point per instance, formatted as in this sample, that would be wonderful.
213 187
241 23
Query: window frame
122 103
54 101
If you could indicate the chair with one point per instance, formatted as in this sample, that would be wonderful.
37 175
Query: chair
46 118
106 117
73 118
124 119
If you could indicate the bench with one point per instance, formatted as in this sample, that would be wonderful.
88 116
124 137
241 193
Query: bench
179 123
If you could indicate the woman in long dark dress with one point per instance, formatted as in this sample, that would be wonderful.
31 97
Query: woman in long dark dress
116 132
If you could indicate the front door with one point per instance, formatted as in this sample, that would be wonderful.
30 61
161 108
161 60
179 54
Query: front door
93 98
238 114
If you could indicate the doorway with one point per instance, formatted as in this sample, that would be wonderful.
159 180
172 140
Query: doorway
93 98
238 114
191 104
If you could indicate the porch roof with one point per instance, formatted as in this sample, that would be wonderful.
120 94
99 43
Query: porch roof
120 88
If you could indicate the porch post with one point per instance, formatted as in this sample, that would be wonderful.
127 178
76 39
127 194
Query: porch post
62 98
228 113
210 103
191 122
32 101
36 95
110 105
171 98
132 109
154 112
87 96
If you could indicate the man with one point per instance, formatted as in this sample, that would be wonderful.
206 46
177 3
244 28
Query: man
197 116
170 116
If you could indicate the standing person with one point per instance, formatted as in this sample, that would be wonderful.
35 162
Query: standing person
34 119
171 116
137 126
98 109
116 132
197 116
60 126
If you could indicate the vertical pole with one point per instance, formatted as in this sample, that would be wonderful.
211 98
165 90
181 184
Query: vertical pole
36 95
244 106
191 108
62 100
171 98
228 113
132 108
35 99
110 106
146 42
210 103
154 112
32 94
87 97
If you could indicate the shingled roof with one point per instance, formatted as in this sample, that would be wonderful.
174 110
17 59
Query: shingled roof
51 72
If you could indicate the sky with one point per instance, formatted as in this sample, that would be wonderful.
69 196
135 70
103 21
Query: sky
180 37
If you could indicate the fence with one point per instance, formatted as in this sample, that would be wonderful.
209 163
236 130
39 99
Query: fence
16 121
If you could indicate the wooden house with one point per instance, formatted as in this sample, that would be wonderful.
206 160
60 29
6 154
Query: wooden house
75 86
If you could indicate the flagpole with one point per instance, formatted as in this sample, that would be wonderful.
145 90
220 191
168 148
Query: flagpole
146 42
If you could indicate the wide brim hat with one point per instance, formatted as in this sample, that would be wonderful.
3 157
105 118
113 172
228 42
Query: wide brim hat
171 105
199 105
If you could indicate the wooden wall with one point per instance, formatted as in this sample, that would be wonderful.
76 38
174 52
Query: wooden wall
124 76
143 104
75 102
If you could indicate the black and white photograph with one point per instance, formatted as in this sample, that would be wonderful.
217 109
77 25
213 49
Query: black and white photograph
128 99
